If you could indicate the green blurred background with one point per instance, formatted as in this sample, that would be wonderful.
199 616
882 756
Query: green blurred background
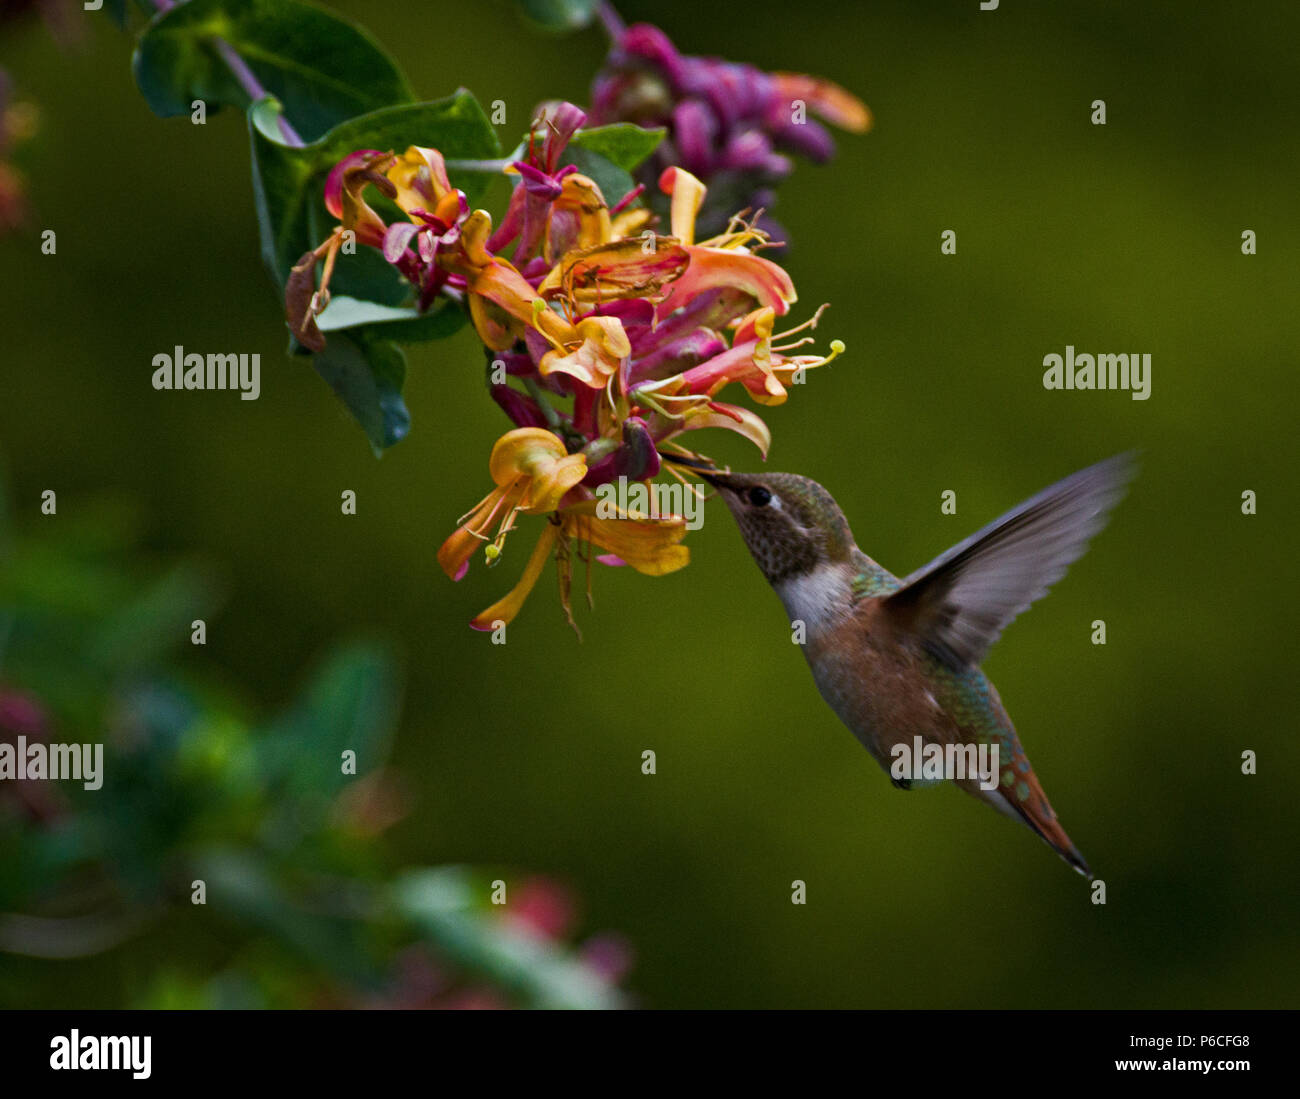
1117 238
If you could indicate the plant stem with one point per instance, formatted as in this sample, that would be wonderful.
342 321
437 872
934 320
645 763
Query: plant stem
242 73
610 20
535 391
489 166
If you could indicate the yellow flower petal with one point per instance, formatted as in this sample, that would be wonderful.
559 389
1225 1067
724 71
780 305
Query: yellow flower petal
356 214
623 269
495 327
687 194
579 217
764 280
515 448
505 609
742 421
649 545
549 485
630 222
604 345
509 301
536 456
420 176
455 552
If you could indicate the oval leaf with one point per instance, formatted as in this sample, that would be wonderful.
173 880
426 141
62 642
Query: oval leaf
622 143
322 68
614 182
367 376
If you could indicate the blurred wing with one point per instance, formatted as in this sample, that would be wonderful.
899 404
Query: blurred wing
960 603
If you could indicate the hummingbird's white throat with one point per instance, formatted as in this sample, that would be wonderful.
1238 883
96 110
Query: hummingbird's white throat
815 598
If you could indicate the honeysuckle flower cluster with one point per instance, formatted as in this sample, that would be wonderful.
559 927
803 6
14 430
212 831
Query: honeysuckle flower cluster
728 124
607 340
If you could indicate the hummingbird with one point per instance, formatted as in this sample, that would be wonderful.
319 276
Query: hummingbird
898 659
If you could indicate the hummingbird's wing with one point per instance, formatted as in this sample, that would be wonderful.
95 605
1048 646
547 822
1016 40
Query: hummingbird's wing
960 603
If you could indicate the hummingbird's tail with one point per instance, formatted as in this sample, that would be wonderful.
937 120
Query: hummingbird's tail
1055 837
1038 815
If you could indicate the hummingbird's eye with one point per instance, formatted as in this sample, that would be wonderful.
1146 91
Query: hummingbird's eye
759 496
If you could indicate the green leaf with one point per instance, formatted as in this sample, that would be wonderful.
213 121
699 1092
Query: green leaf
367 375
609 153
559 15
322 68
244 888
621 143
345 312
614 182
143 631
405 325
289 182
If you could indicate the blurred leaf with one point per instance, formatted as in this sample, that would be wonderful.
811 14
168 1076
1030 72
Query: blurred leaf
147 808
621 143
367 375
216 752
53 582
321 67
160 619
30 854
559 15
350 704
442 903
65 937
170 990
241 886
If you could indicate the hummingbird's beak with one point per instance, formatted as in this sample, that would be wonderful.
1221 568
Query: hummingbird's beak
706 473
717 479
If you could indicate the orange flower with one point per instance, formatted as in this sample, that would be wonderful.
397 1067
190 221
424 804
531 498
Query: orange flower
532 472
634 267
756 362
596 359
651 546
723 261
